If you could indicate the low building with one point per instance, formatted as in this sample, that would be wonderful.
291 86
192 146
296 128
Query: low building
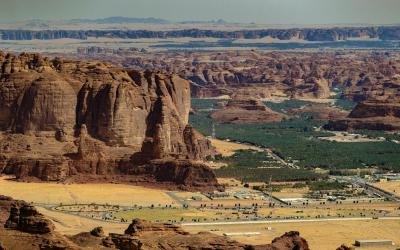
241 234
369 243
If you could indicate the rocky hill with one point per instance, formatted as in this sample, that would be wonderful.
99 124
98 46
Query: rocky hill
81 121
373 115
19 220
246 111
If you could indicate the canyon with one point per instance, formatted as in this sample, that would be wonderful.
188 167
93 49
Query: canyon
371 79
264 74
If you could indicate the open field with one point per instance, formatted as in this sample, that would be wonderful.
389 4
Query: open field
55 193
291 193
390 186
350 137
318 100
223 214
72 224
176 215
320 235
227 149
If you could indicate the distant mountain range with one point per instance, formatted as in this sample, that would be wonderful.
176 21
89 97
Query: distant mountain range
120 19
107 20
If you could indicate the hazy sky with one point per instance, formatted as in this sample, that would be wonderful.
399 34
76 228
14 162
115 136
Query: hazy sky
259 11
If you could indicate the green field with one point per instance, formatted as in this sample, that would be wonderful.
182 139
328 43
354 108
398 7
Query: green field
253 166
296 139
163 214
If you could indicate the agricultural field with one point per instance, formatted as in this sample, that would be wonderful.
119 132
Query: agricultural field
253 166
296 139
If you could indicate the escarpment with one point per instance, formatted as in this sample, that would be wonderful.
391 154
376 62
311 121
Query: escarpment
67 119
308 34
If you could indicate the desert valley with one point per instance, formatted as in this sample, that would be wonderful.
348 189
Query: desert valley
145 133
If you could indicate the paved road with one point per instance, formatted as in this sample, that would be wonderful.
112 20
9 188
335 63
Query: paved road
284 221
368 187
278 158
269 152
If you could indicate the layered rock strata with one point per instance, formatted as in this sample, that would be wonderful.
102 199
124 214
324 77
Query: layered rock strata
67 119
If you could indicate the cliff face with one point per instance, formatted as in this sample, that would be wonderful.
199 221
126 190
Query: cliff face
112 113
308 34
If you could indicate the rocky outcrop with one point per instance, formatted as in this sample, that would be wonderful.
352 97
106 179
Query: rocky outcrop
321 112
137 226
355 76
290 240
22 227
27 219
345 247
246 111
96 119
373 115
146 235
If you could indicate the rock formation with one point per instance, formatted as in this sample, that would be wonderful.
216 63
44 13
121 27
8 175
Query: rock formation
22 227
246 111
321 112
89 118
355 76
373 115
345 247
27 219
141 235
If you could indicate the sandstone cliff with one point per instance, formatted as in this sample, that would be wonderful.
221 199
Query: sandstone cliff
95 119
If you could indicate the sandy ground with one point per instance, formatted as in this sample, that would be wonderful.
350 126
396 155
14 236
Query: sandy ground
228 148
291 193
269 39
322 100
349 137
390 186
320 235
71 224
54 193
